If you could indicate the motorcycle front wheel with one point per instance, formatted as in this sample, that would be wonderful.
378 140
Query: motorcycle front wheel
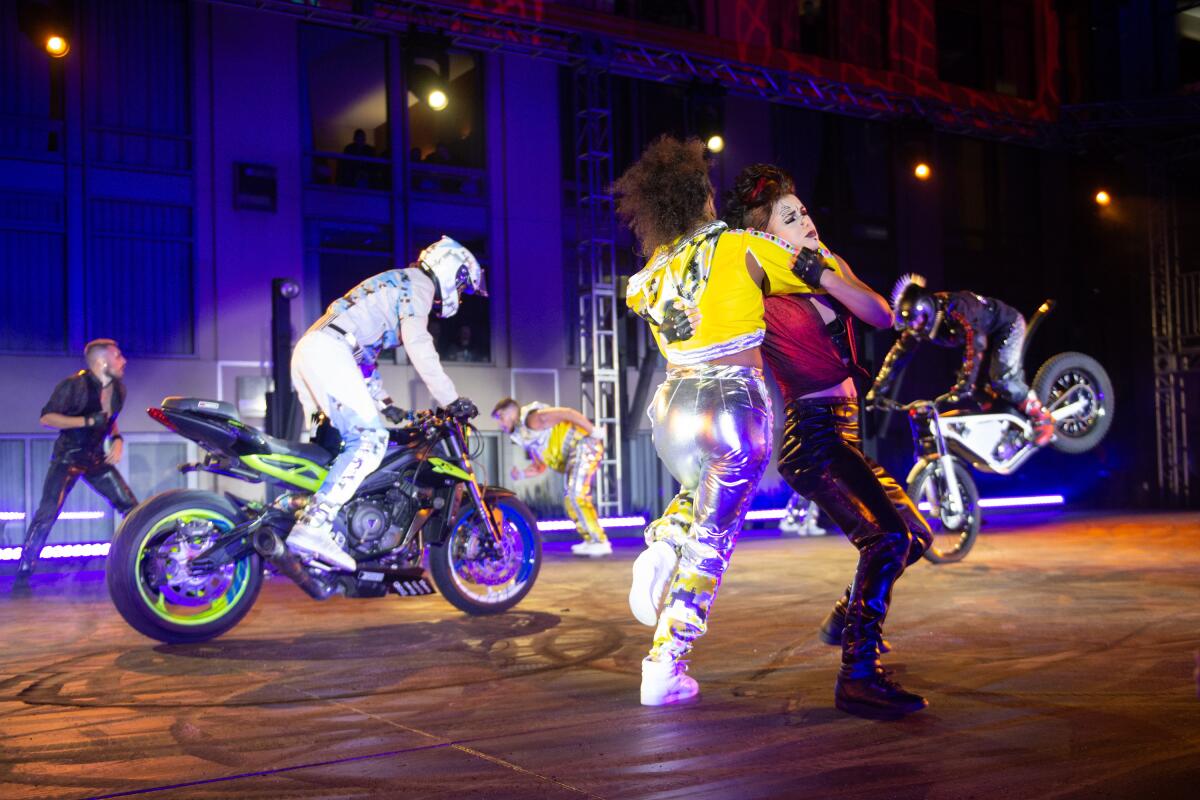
480 576
149 573
953 533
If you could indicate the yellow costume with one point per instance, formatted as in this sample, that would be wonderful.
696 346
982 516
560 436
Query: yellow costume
566 448
711 423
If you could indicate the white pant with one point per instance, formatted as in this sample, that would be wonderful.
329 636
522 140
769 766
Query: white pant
328 379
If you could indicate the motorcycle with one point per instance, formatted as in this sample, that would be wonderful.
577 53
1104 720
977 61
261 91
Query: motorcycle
997 438
187 565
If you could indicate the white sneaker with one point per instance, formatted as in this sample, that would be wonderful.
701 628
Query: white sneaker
652 572
319 544
592 549
666 682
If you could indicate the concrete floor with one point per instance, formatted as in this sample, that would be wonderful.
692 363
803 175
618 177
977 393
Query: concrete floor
1058 660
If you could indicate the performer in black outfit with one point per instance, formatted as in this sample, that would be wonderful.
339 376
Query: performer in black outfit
84 408
980 325
811 350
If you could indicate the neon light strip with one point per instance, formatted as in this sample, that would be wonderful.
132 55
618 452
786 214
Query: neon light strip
1015 502
17 516
606 522
80 550
766 513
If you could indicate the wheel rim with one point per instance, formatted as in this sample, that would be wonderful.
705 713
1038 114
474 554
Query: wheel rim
492 573
166 584
1069 387
950 533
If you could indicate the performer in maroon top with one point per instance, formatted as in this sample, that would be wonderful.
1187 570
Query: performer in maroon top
811 351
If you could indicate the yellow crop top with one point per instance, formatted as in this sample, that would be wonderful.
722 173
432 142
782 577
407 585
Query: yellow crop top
548 445
708 270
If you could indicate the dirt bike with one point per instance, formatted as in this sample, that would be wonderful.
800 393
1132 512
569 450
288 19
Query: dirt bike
187 565
997 438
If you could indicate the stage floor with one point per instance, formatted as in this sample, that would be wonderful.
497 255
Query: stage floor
1058 660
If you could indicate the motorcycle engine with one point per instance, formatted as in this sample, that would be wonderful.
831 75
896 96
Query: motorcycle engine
1010 444
377 522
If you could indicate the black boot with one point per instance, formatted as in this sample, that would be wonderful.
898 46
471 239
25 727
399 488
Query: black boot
31 548
863 688
831 629
875 696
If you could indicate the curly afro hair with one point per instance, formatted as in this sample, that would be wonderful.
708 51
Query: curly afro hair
666 193
754 194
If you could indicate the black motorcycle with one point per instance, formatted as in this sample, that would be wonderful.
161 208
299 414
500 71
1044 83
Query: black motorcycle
187 565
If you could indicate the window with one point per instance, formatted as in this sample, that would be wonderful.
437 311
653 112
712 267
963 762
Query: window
33 273
139 279
445 114
347 108
137 59
150 465
343 254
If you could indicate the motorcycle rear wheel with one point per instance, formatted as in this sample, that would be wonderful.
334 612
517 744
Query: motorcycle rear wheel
1065 377
148 576
480 578
952 538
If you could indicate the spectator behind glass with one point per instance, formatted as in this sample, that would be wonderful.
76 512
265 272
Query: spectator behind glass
354 173
463 349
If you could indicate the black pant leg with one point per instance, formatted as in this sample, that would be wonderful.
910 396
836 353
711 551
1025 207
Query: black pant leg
60 479
820 464
109 484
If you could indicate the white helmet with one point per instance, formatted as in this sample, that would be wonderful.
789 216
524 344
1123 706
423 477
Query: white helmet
453 269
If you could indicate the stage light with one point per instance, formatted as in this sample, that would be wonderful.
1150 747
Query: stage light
1103 198
57 46
438 100
289 290
922 171
605 522
716 143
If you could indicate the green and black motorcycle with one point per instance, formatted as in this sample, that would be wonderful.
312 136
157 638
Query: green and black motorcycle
187 565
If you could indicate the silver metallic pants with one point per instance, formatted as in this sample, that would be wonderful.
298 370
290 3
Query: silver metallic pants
578 477
712 430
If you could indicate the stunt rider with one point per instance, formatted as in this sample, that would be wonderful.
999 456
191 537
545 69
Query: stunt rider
332 358
565 441
84 409
971 321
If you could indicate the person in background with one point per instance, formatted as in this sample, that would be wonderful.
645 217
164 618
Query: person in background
84 409
801 517
565 441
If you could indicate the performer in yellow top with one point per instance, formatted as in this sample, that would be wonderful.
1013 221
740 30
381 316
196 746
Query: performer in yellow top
702 294
565 441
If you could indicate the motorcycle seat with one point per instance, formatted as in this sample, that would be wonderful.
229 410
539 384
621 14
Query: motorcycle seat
197 405
307 450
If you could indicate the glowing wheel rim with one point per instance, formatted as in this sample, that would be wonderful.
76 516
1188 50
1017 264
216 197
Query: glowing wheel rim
491 574
181 597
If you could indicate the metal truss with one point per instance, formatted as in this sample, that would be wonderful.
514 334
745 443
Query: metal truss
1171 360
575 42
600 377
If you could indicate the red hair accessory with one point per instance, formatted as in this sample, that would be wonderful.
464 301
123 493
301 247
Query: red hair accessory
758 187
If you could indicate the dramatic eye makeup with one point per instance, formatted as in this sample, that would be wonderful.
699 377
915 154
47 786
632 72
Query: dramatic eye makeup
789 214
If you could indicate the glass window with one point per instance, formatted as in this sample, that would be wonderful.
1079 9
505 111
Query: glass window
12 492
445 111
343 254
345 75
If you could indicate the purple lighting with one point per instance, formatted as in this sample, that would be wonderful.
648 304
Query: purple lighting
606 522
79 550
17 516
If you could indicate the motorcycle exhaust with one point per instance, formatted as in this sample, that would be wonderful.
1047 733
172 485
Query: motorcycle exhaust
272 548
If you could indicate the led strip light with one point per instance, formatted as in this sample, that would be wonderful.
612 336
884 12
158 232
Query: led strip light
100 549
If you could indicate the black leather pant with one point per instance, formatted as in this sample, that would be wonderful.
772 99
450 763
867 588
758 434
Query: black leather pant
822 459
60 479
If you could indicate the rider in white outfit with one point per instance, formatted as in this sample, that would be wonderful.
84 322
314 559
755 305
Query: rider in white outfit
334 371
